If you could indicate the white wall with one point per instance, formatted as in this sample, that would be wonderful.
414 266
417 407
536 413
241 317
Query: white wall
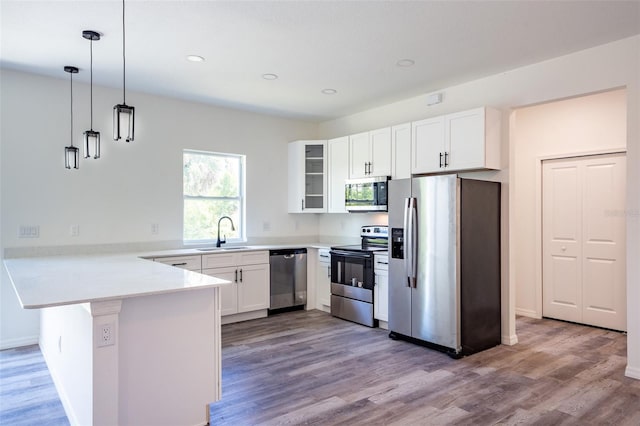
605 67
584 125
116 199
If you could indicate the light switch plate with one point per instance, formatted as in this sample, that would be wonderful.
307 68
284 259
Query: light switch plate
29 231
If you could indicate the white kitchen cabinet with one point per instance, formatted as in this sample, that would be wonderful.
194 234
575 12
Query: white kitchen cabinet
338 158
191 263
427 145
381 289
401 151
249 274
307 177
370 154
468 140
323 280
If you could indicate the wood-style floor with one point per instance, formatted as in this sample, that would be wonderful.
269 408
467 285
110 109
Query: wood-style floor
310 368
27 393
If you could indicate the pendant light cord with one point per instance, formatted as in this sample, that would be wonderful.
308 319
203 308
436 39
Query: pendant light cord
71 133
124 77
91 78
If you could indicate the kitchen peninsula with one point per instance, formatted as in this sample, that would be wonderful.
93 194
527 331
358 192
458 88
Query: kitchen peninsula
128 341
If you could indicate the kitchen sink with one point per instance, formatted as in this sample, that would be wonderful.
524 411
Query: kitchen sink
222 248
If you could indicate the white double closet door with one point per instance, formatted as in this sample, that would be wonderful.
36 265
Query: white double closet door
583 231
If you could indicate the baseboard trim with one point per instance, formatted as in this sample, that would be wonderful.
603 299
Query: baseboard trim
527 313
509 340
245 316
18 342
64 398
632 372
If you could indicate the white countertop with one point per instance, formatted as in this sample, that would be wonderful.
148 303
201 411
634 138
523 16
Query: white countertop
42 282
225 249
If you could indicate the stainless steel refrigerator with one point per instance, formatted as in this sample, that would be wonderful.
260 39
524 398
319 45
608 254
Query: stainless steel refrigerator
444 263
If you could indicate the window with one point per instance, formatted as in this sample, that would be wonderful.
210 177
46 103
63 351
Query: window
213 187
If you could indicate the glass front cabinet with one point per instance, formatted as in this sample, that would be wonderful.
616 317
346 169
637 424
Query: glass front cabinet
307 177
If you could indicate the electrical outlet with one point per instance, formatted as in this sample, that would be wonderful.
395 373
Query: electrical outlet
266 226
29 231
106 334
75 230
155 228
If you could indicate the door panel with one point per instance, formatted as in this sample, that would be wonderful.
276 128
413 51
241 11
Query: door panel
229 292
466 139
434 301
565 293
584 276
562 281
399 292
253 287
604 230
358 155
380 151
427 144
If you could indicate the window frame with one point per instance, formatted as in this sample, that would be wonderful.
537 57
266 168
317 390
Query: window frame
242 196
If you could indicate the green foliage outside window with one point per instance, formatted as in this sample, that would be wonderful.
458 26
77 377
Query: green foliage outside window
213 187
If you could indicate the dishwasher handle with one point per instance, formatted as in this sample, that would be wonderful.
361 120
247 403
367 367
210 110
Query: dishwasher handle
288 253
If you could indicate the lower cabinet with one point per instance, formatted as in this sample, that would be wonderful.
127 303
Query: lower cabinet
249 276
323 280
381 289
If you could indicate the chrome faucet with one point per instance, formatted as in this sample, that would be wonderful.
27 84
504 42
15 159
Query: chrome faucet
233 228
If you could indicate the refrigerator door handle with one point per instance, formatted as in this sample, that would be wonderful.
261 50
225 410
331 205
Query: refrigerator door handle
407 241
414 240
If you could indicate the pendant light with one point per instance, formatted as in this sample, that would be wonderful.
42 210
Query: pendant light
71 153
123 114
91 137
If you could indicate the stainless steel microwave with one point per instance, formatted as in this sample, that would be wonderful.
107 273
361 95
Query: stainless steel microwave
366 194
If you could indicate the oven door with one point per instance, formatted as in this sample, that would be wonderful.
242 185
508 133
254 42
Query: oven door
352 286
353 269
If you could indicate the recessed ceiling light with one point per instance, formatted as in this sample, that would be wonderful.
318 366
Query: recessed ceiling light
329 91
270 76
406 63
195 58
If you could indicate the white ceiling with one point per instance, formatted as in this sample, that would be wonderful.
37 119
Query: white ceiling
349 46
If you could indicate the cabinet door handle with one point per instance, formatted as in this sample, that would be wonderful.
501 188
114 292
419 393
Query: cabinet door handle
236 279
365 168
302 205
329 271
324 255
441 159
382 263
240 275
446 159
179 264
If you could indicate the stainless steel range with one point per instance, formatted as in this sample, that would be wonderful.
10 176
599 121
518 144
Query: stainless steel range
352 276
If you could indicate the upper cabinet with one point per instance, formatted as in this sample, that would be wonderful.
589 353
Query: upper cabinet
401 151
338 157
307 177
466 140
370 154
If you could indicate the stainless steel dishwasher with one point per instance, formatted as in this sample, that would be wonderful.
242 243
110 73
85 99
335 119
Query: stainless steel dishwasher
288 278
